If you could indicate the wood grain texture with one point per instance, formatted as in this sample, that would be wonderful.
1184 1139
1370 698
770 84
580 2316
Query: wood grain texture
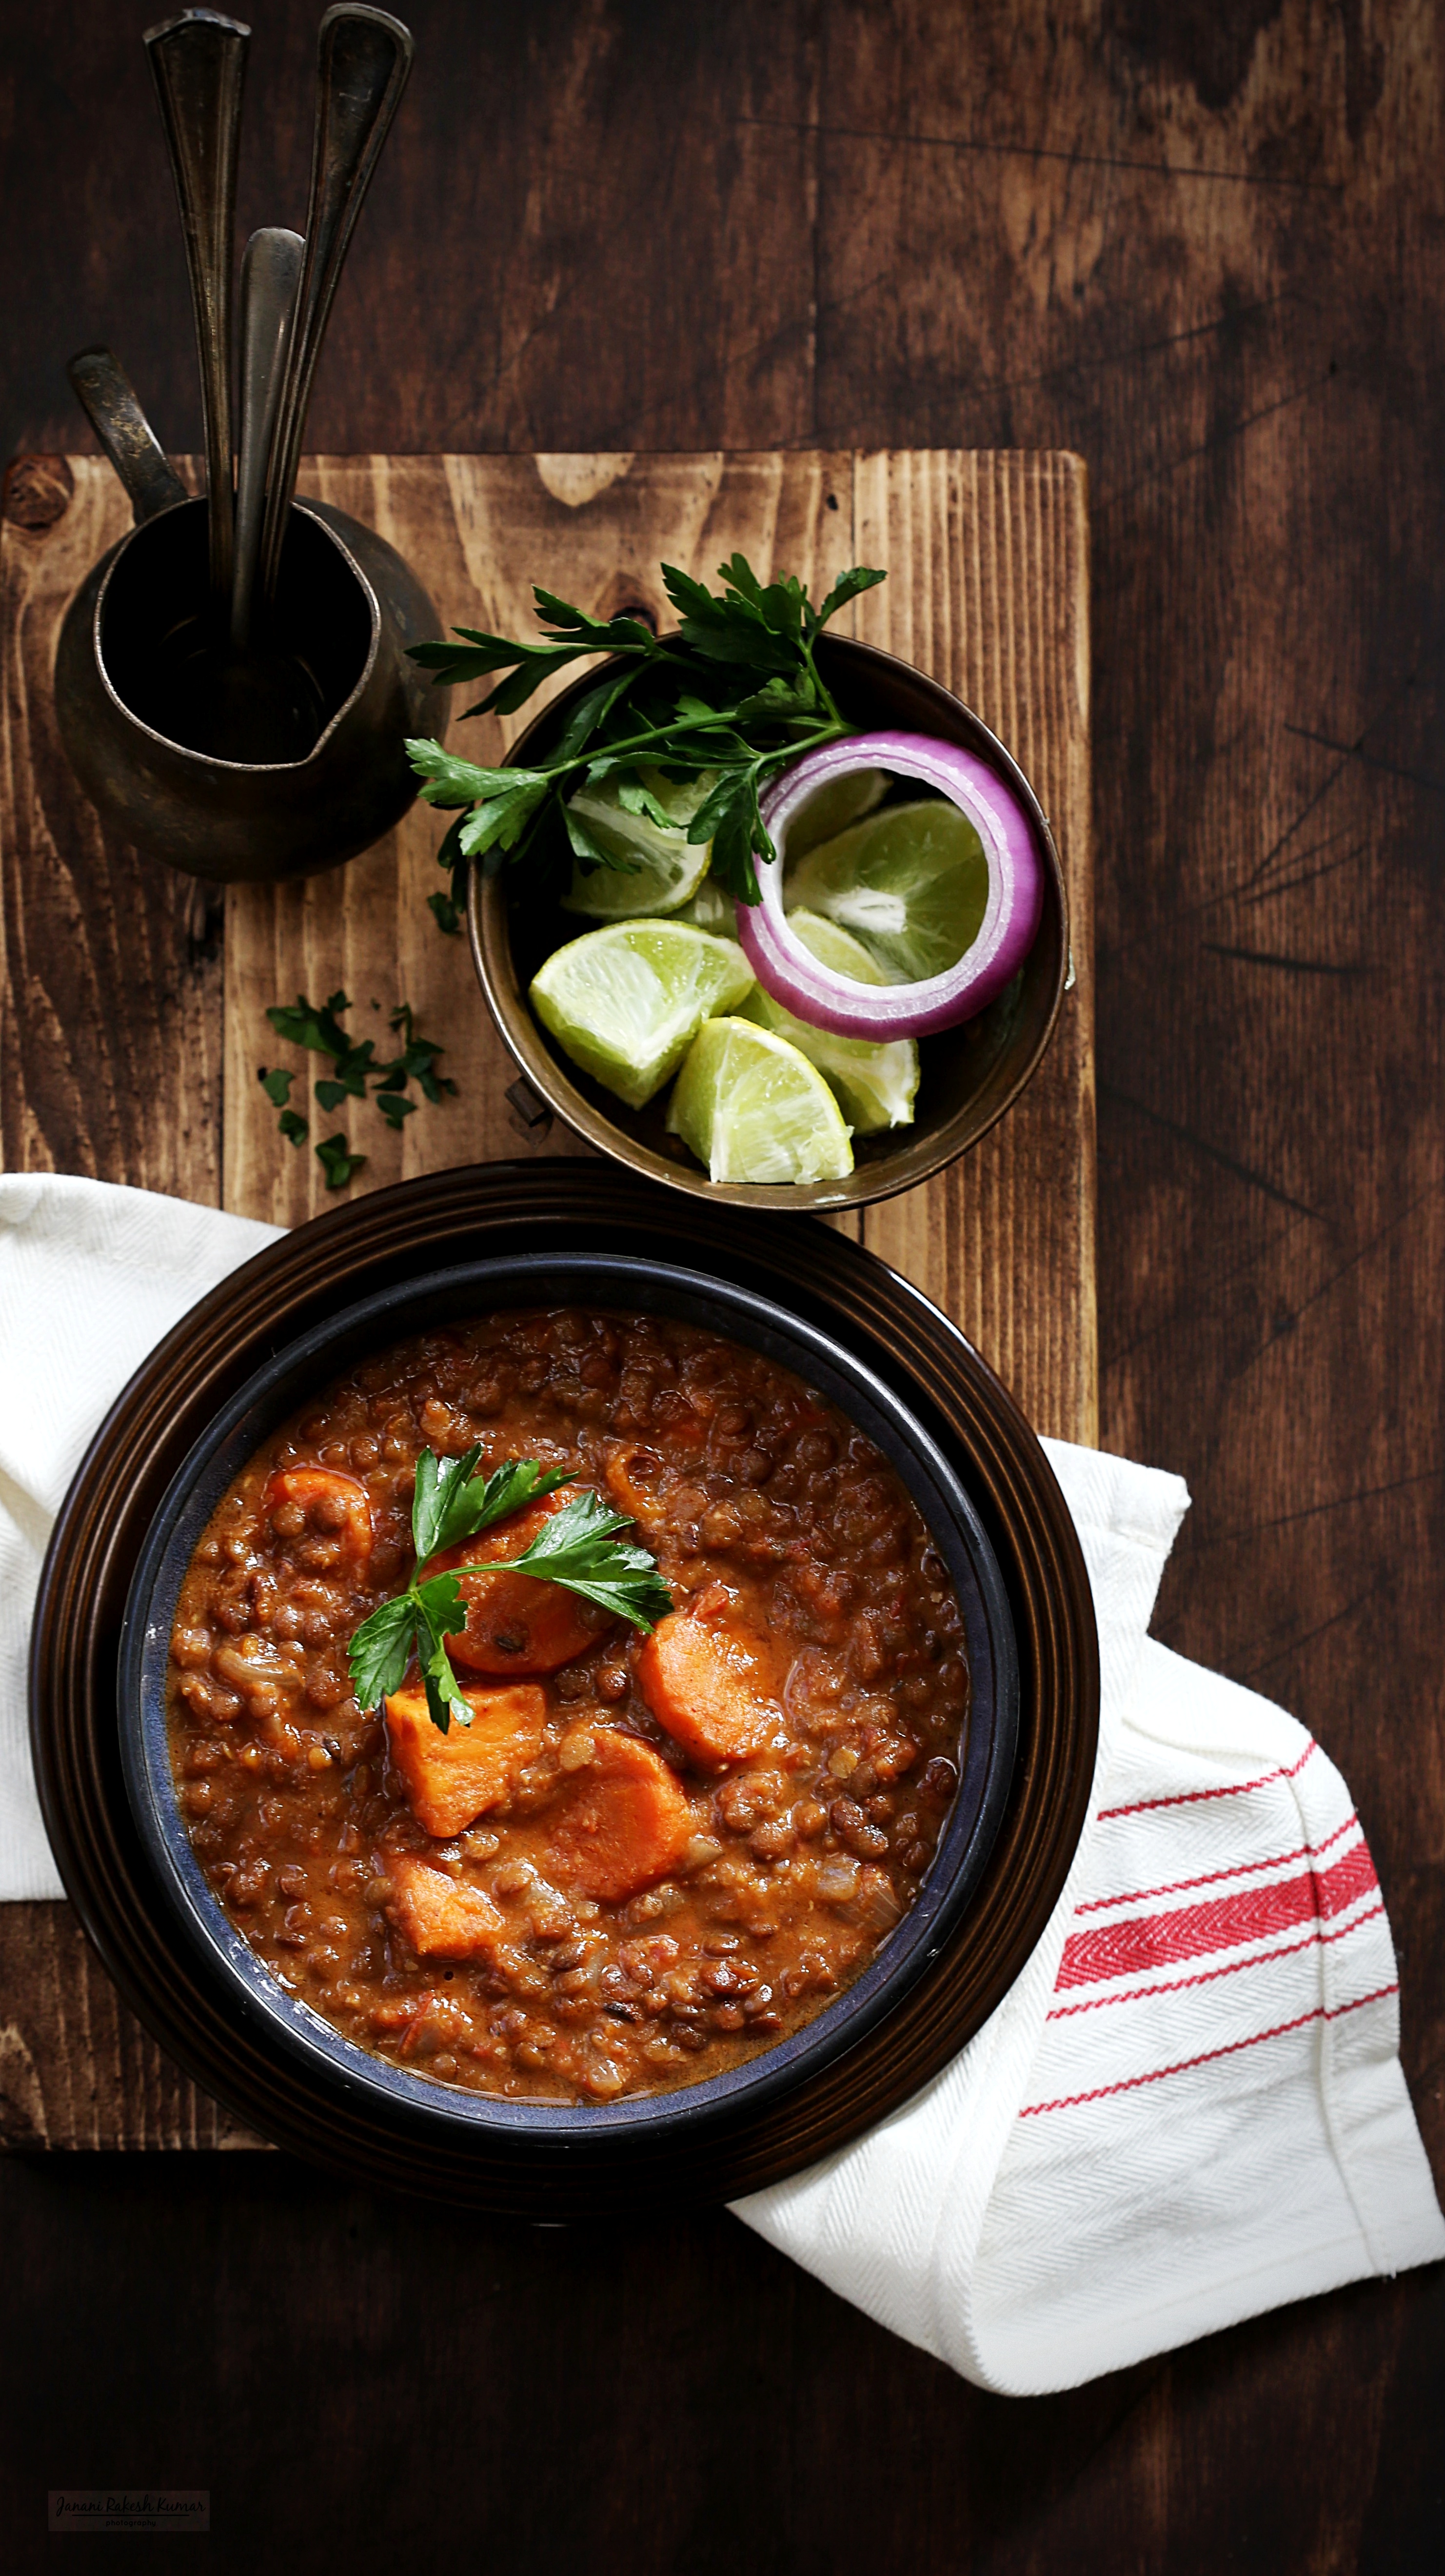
110 981
987 590
76 2068
1198 242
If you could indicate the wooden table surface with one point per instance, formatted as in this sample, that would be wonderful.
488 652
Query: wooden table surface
1203 247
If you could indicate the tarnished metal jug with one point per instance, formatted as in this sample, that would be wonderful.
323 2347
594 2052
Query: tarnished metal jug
130 681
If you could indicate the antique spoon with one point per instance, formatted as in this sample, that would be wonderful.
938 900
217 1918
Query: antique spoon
363 60
199 64
270 272
108 399
249 707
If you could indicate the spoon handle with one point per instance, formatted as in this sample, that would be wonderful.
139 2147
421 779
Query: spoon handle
270 272
108 399
199 64
362 63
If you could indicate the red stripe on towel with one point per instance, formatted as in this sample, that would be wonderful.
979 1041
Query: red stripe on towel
1157 1940
1230 1789
1314 1939
1231 2048
1241 1869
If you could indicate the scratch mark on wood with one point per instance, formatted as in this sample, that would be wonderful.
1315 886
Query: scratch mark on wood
1307 876
1314 1511
1294 1645
1369 759
1210 446
1215 1153
973 144
1288 1321
1267 957
1175 916
1211 1286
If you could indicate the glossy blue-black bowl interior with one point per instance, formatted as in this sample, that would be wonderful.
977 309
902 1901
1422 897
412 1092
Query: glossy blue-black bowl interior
594 1281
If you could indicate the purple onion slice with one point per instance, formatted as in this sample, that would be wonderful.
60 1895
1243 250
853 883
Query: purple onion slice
814 992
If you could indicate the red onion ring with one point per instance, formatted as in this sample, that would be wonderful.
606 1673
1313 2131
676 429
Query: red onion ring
794 977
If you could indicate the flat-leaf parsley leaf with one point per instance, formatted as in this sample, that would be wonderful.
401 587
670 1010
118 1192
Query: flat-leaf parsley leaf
736 695
355 1072
577 1548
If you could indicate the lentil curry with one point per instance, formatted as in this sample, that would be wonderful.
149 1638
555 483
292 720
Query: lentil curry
648 1857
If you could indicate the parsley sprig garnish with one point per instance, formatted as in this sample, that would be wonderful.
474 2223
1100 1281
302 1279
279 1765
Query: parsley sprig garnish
736 695
355 1068
276 1081
577 1548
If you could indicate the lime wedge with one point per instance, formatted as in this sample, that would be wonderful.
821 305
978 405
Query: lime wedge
658 869
753 1109
833 806
911 882
875 1082
711 908
625 1003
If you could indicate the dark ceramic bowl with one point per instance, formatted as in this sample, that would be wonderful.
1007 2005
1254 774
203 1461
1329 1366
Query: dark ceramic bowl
572 1214
970 1075
274 1392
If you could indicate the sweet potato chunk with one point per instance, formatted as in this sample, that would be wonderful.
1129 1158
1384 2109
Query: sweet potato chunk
336 1506
440 1917
634 1477
621 1822
452 1779
703 1683
516 1624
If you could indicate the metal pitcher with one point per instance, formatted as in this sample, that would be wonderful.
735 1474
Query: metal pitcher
346 609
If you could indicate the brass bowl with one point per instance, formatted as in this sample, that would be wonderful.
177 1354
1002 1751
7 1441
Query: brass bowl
970 1075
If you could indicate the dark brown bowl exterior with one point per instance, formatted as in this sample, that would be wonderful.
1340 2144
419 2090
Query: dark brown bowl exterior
971 1075
487 1212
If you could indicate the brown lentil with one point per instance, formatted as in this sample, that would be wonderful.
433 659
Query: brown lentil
749 1489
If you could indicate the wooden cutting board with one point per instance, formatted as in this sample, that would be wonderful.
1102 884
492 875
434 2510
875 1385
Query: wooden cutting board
987 591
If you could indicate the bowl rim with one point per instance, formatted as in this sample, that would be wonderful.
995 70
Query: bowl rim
489 938
205 760
618 1283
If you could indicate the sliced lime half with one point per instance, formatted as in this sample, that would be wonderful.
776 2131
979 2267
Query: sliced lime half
875 1082
626 1002
752 1108
833 806
658 868
910 881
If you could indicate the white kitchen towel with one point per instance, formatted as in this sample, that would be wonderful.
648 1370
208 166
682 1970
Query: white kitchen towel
1189 2107
91 1278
